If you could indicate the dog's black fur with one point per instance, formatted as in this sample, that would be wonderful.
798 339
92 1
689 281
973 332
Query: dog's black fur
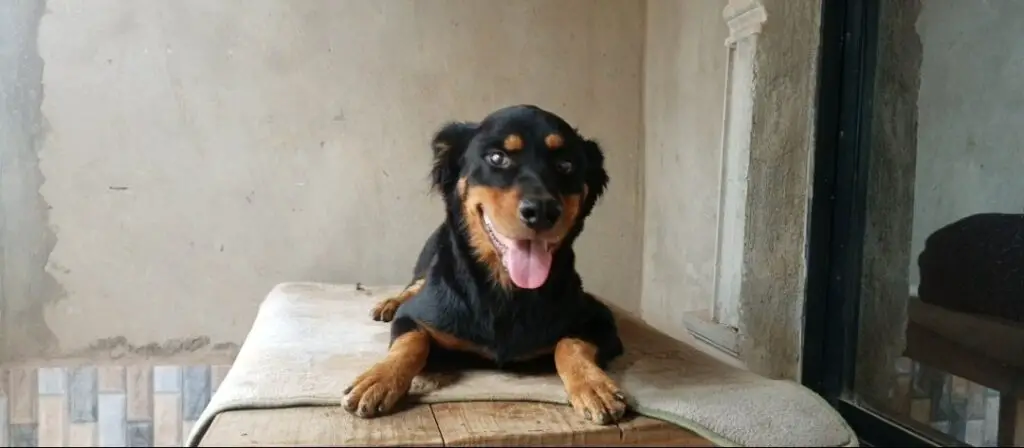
459 296
458 293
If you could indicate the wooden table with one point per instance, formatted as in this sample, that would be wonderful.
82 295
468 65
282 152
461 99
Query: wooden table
980 349
447 424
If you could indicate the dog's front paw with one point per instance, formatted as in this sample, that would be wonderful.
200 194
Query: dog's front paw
597 398
375 392
384 311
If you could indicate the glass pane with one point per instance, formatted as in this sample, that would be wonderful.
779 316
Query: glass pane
941 340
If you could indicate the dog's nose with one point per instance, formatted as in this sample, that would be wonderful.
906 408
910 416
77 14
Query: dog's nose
539 214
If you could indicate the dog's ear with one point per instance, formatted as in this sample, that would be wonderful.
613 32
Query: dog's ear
449 145
595 176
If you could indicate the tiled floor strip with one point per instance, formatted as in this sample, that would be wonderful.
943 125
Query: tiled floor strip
108 406
136 405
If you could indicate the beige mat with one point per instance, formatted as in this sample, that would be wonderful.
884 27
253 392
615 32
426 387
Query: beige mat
310 340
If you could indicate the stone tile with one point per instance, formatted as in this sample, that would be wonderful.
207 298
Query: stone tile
959 400
217 374
82 384
976 402
112 420
3 421
975 434
24 435
195 391
167 420
991 427
904 365
901 395
941 426
111 379
166 379
942 406
186 429
21 396
140 434
959 388
139 380
52 381
957 428
82 434
927 381
53 420
921 410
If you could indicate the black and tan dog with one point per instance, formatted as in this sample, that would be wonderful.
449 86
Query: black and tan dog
497 280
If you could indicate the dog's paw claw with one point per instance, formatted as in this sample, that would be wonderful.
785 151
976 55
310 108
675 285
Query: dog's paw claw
598 400
374 393
384 311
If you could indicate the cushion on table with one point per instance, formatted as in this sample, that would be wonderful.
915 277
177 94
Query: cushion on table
309 340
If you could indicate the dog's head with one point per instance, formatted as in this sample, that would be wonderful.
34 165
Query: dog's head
520 183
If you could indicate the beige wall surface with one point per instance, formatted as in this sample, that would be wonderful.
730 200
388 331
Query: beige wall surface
684 93
166 162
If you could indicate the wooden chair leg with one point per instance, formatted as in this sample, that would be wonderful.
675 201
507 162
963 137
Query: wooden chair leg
1011 420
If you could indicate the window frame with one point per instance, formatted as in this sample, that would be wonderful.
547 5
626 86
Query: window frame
849 36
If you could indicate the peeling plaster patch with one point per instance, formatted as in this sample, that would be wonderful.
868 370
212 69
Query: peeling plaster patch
26 239
118 347
230 347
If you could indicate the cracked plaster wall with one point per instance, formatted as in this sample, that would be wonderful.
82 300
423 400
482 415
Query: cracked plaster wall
165 163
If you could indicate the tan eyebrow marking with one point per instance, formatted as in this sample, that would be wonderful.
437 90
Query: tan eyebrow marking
513 142
554 141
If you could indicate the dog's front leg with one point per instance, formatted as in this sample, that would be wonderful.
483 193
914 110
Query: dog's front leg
591 392
384 311
377 390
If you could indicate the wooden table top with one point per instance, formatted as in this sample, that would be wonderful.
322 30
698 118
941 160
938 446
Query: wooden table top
445 424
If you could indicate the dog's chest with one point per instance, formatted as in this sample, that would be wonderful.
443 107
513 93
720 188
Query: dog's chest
518 332
503 329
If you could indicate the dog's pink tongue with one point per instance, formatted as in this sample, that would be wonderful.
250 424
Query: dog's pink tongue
528 263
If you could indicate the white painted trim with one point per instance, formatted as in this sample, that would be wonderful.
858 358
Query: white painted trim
716 336
744 19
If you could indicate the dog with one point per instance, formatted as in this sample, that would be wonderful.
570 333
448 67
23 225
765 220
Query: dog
497 279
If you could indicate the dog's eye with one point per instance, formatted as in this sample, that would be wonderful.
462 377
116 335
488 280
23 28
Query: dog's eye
564 166
498 159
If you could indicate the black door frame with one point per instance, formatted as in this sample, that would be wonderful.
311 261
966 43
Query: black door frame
836 230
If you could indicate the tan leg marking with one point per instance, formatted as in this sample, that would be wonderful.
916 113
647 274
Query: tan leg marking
591 392
377 390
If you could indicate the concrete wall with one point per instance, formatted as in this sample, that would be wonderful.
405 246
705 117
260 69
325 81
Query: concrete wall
971 107
889 198
165 163
770 127
684 94
781 166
